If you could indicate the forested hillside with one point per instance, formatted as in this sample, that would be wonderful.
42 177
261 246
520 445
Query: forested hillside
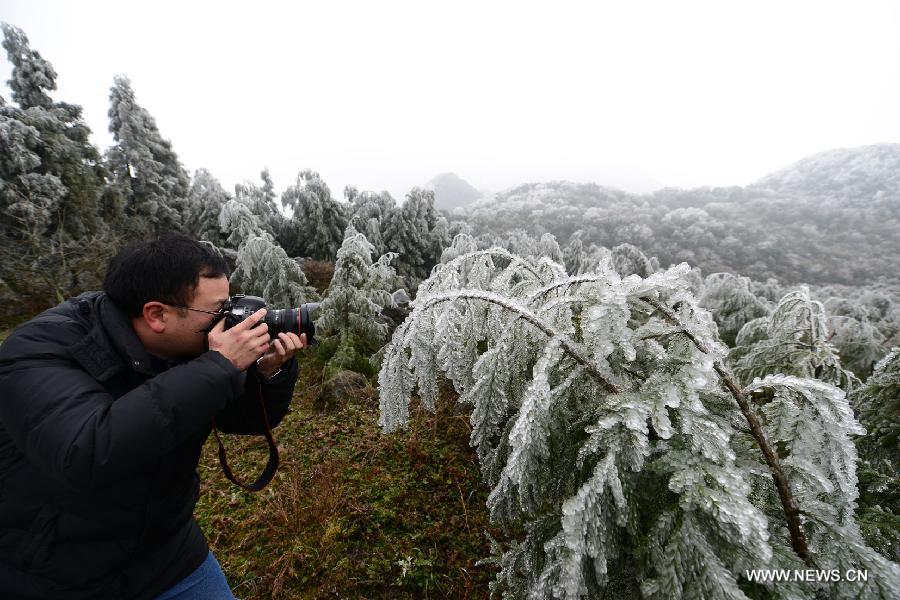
638 396
830 218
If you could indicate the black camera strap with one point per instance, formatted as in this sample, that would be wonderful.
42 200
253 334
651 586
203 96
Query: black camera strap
271 465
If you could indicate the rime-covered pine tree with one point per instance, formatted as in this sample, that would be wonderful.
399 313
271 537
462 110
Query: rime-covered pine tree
858 343
352 305
878 407
144 165
205 202
318 221
418 234
574 255
368 212
612 435
261 202
628 259
729 299
796 342
54 238
262 267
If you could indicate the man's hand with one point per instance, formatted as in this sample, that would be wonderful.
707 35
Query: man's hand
243 343
282 350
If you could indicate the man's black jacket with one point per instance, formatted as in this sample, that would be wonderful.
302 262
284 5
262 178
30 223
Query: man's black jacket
99 453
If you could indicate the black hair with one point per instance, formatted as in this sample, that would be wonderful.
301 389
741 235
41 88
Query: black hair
167 269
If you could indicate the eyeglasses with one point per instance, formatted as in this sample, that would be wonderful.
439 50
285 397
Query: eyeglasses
209 312
219 314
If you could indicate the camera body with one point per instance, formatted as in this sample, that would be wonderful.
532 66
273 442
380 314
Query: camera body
280 320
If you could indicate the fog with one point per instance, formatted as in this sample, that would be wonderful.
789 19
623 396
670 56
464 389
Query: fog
639 96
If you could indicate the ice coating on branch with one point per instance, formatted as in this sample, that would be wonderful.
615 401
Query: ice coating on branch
604 432
796 342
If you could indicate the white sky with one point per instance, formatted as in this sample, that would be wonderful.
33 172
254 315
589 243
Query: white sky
385 95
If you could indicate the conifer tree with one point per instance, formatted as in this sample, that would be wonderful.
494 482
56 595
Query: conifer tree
318 221
205 202
628 259
53 240
613 436
574 255
418 234
144 165
368 212
462 243
351 308
262 268
858 343
878 407
261 202
729 299
795 343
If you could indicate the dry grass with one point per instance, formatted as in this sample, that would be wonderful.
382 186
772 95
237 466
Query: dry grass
352 513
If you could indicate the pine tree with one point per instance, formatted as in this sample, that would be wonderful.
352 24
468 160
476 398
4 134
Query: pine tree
32 76
418 234
261 202
795 343
574 255
144 165
732 304
368 211
628 259
606 435
205 201
318 221
351 308
262 268
878 407
53 241
859 344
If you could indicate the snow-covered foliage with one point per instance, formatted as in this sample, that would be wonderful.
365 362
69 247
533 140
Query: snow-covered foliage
878 407
462 243
33 76
144 165
796 342
261 202
732 304
628 259
54 236
205 201
859 344
418 234
358 291
264 269
607 438
575 255
811 424
318 221
237 224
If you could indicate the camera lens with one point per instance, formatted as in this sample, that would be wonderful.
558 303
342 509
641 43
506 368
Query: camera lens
295 320
282 320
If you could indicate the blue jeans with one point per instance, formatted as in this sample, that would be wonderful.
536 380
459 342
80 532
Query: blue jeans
206 583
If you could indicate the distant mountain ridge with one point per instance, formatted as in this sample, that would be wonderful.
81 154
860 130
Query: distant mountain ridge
854 173
833 217
452 191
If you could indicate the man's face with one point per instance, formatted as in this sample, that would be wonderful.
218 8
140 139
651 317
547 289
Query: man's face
184 339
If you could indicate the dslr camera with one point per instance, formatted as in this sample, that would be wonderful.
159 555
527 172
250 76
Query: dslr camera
280 320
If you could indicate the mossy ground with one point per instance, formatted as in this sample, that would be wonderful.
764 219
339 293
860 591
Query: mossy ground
352 512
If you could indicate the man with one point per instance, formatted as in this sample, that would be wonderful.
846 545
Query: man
105 403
